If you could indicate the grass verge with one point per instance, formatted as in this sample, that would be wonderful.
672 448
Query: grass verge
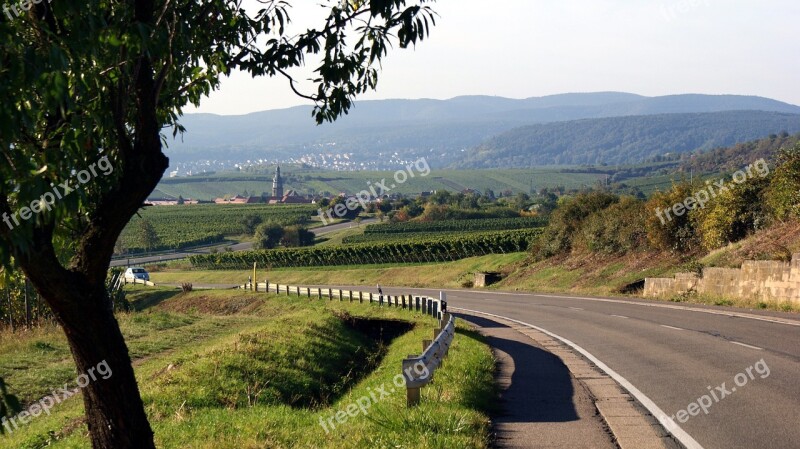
227 369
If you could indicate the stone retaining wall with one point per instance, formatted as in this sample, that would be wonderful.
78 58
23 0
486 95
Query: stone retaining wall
761 280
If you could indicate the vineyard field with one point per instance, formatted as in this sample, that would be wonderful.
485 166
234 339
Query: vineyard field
482 224
183 226
412 250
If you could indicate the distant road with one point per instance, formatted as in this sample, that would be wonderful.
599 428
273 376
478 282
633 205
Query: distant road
236 247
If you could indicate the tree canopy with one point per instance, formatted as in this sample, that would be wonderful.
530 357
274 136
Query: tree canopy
92 89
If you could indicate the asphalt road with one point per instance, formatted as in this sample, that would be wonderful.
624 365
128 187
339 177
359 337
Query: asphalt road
236 247
674 355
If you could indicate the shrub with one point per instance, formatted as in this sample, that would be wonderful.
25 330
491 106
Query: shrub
618 228
675 233
783 196
568 219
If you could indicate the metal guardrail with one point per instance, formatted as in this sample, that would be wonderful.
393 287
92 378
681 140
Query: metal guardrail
417 370
435 307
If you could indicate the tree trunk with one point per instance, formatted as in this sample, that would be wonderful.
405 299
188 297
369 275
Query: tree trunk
114 409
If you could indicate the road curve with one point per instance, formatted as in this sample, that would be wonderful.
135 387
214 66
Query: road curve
676 354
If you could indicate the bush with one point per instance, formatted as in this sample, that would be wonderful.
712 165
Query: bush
733 215
783 196
672 233
268 235
619 228
296 236
568 219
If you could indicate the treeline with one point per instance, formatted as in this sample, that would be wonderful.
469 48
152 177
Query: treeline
413 250
688 217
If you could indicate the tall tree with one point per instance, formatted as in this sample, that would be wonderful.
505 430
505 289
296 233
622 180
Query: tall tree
88 88
147 235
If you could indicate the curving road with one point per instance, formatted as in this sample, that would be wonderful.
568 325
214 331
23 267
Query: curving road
674 355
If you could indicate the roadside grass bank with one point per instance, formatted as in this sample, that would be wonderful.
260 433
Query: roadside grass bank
433 275
231 369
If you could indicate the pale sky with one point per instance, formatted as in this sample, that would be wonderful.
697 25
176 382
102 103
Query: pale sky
528 48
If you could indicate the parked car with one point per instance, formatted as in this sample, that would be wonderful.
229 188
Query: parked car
134 274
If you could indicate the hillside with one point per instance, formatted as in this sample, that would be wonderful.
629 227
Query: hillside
383 133
732 158
624 140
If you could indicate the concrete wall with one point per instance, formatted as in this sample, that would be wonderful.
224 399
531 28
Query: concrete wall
761 280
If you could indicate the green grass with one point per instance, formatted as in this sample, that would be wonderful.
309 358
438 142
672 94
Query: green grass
255 371
337 237
437 275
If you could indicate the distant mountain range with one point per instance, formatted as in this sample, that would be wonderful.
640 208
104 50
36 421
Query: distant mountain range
471 131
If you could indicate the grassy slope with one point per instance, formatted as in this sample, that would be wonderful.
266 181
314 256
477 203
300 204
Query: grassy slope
212 375
579 273
444 275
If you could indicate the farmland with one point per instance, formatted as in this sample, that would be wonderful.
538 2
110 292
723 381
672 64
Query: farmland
489 224
183 226
411 250
305 180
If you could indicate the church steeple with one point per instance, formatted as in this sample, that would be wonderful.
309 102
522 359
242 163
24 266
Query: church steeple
277 184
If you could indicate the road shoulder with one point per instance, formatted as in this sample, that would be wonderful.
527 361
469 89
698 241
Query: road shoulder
554 397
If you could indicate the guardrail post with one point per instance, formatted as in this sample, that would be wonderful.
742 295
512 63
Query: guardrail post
308 292
425 344
412 396
340 295
298 291
361 297
319 292
435 309
416 303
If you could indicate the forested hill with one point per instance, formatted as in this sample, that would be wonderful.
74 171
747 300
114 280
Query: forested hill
624 140
441 130
728 159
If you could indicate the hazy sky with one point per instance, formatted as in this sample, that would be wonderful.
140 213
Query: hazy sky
526 48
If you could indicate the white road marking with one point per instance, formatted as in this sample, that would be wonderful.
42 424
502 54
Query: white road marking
747 346
620 316
670 425
672 327
642 304
576 308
